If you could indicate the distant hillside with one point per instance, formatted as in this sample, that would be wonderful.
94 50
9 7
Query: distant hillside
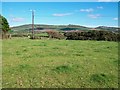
114 29
39 27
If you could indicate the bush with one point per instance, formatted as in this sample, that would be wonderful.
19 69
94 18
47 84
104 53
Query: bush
92 35
55 34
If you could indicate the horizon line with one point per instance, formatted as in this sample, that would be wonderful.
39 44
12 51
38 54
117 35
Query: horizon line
64 24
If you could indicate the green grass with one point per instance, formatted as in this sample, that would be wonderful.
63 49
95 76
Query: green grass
41 34
59 63
0 63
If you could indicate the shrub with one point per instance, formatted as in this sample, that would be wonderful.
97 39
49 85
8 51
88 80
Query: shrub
92 35
55 34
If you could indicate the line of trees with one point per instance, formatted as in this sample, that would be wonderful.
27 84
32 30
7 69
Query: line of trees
78 35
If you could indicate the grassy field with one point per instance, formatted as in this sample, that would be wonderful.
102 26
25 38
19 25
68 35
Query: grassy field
59 63
0 63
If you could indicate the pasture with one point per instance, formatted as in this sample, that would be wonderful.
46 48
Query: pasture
59 63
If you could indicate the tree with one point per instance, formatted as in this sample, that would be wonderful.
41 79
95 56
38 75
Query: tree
4 26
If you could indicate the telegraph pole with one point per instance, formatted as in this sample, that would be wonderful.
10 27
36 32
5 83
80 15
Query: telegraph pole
32 24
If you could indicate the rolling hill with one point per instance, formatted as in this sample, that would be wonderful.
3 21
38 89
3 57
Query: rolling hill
39 27
114 29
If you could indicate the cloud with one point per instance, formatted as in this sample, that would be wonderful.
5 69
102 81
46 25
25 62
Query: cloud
62 14
115 18
94 16
107 0
87 10
17 19
99 7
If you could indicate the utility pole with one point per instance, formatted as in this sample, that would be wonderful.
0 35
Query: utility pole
32 24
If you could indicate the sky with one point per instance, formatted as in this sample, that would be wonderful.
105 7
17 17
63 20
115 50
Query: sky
60 0
91 14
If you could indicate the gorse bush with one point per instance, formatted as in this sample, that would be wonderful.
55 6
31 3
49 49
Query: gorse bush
55 34
92 35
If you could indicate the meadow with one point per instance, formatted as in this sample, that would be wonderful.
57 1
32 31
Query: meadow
56 63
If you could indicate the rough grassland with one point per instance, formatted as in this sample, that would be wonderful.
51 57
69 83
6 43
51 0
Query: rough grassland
59 63
0 63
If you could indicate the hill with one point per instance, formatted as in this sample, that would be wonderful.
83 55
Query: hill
40 27
114 29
